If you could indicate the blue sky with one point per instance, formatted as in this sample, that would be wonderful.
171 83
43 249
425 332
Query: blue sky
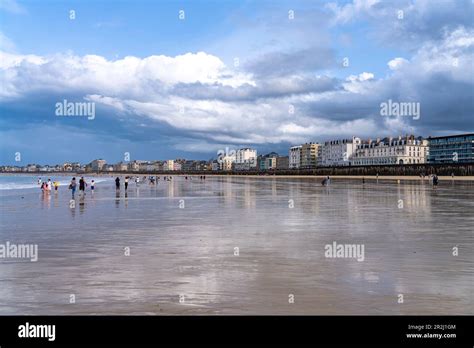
165 87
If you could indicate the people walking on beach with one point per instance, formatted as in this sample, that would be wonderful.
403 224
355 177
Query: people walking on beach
117 183
56 185
49 185
39 181
126 183
82 185
137 180
72 187
92 185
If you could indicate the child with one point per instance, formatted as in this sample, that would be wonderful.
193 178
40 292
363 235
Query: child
72 186
56 185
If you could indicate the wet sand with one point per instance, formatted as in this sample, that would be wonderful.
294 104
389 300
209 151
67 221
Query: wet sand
358 177
182 237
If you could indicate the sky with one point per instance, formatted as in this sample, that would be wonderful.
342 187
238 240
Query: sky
186 79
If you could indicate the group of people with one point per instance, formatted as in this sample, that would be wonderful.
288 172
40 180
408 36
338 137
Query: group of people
152 180
47 186
433 178
82 186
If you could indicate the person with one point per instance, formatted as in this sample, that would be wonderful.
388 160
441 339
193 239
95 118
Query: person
39 181
49 185
363 180
137 180
325 181
92 185
72 186
56 185
126 183
42 186
117 183
82 185
452 175
435 181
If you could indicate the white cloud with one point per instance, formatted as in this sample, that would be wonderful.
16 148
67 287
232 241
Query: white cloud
396 63
128 76
351 11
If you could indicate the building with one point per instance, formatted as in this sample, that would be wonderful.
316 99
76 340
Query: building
338 152
246 159
406 150
451 149
120 167
282 162
309 155
177 166
168 165
227 162
156 166
144 166
97 165
270 162
267 161
201 165
215 165
33 168
295 157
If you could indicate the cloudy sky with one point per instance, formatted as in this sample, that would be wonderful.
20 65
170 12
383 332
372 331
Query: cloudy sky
265 74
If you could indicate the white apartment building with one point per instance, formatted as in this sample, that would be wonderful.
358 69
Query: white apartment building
246 159
168 165
295 157
339 152
406 150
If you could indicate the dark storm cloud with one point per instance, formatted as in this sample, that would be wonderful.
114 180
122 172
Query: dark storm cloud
279 63
264 89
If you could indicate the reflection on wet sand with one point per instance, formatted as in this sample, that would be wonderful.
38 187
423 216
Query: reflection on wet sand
183 234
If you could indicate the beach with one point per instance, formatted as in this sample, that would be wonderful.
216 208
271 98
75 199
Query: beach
240 245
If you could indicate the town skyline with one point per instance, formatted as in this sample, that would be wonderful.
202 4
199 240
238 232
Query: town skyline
399 150
77 84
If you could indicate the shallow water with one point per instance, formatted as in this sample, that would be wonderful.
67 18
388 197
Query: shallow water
190 251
